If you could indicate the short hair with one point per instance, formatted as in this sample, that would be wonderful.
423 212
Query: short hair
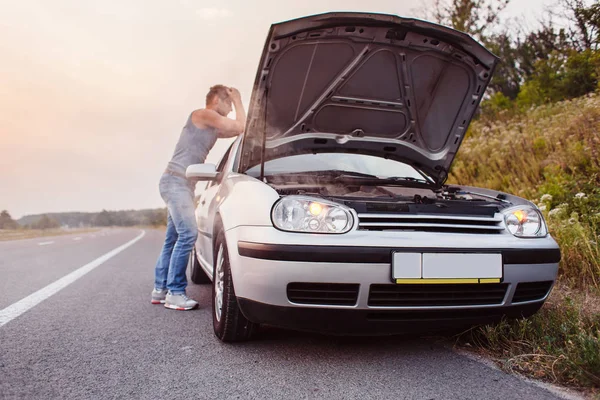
217 90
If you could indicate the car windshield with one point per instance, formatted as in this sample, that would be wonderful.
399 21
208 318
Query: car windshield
349 163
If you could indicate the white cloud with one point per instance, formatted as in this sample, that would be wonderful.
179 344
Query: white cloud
209 13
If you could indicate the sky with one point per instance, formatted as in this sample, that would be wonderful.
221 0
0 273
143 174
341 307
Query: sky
93 94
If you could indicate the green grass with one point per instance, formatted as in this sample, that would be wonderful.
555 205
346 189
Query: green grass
551 156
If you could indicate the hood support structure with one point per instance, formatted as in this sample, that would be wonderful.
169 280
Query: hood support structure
382 85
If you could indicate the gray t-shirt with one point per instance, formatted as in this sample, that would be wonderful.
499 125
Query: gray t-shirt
193 146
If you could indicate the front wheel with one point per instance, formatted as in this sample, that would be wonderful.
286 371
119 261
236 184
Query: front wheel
229 323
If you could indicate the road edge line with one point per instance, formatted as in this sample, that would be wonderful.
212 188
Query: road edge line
16 309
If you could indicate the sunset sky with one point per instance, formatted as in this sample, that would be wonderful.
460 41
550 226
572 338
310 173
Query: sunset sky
93 94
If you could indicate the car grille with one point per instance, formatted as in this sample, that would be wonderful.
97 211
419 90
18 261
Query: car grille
530 291
436 295
340 294
430 223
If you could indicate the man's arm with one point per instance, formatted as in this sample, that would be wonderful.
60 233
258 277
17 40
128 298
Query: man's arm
226 127
231 127
240 115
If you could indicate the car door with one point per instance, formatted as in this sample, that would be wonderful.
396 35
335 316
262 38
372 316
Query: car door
205 213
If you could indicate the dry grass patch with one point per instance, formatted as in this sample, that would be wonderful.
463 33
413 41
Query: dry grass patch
550 155
560 344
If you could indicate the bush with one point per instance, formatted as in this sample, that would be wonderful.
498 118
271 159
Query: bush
561 343
561 76
552 156
46 223
497 106
6 221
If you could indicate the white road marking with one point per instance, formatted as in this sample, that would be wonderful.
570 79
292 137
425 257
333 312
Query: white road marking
45 243
77 238
14 310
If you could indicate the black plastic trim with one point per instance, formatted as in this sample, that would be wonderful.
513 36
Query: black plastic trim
531 291
342 294
376 322
393 295
380 255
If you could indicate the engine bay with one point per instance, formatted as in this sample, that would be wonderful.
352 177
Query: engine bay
375 198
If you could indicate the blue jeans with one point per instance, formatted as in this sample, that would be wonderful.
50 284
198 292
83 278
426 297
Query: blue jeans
182 231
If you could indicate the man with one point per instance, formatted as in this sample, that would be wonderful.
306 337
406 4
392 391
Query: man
198 136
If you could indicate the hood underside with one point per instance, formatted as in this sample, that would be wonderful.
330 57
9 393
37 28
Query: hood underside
375 84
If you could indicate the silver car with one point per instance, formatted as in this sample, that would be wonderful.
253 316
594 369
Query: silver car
331 212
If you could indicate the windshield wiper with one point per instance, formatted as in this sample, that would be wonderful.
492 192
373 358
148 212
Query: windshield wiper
408 178
394 181
347 174
331 173
487 196
353 174
360 177
354 177
425 176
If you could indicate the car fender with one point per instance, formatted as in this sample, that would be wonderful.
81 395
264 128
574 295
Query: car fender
244 200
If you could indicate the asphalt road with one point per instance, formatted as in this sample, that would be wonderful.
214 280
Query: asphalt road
100 338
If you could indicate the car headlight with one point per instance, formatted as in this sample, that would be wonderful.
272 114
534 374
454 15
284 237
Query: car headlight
524 221
305 214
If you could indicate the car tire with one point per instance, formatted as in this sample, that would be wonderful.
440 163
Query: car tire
229 323
197 274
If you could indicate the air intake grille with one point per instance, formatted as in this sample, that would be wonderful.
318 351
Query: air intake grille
436 295
430 223
530 291
340 294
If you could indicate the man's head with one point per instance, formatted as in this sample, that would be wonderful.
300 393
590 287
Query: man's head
218 99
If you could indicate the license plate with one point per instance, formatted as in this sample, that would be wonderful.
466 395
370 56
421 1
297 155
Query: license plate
446 268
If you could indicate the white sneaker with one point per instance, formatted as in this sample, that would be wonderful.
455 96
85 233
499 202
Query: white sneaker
180 302
158 296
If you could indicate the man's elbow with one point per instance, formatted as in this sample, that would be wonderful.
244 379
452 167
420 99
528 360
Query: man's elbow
237 130
229 134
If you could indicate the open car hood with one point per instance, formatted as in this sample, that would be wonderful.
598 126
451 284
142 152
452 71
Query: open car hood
375 84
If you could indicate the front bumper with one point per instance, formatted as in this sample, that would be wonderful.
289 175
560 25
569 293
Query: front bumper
264 261
377 322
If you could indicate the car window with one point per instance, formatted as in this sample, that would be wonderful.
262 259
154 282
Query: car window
221 165
223 161
380 167
238 151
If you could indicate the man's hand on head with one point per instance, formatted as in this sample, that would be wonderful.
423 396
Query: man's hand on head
227 128
234 93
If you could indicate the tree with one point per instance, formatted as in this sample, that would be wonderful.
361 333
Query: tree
6 221
560 77
46 223
103 218
159 217
475 17
480 19
584 24
507 79
521 55
540 45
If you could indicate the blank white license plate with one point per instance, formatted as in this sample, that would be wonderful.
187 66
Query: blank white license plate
446 267
440 265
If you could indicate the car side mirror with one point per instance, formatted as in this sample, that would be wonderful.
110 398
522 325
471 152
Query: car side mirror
202 172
